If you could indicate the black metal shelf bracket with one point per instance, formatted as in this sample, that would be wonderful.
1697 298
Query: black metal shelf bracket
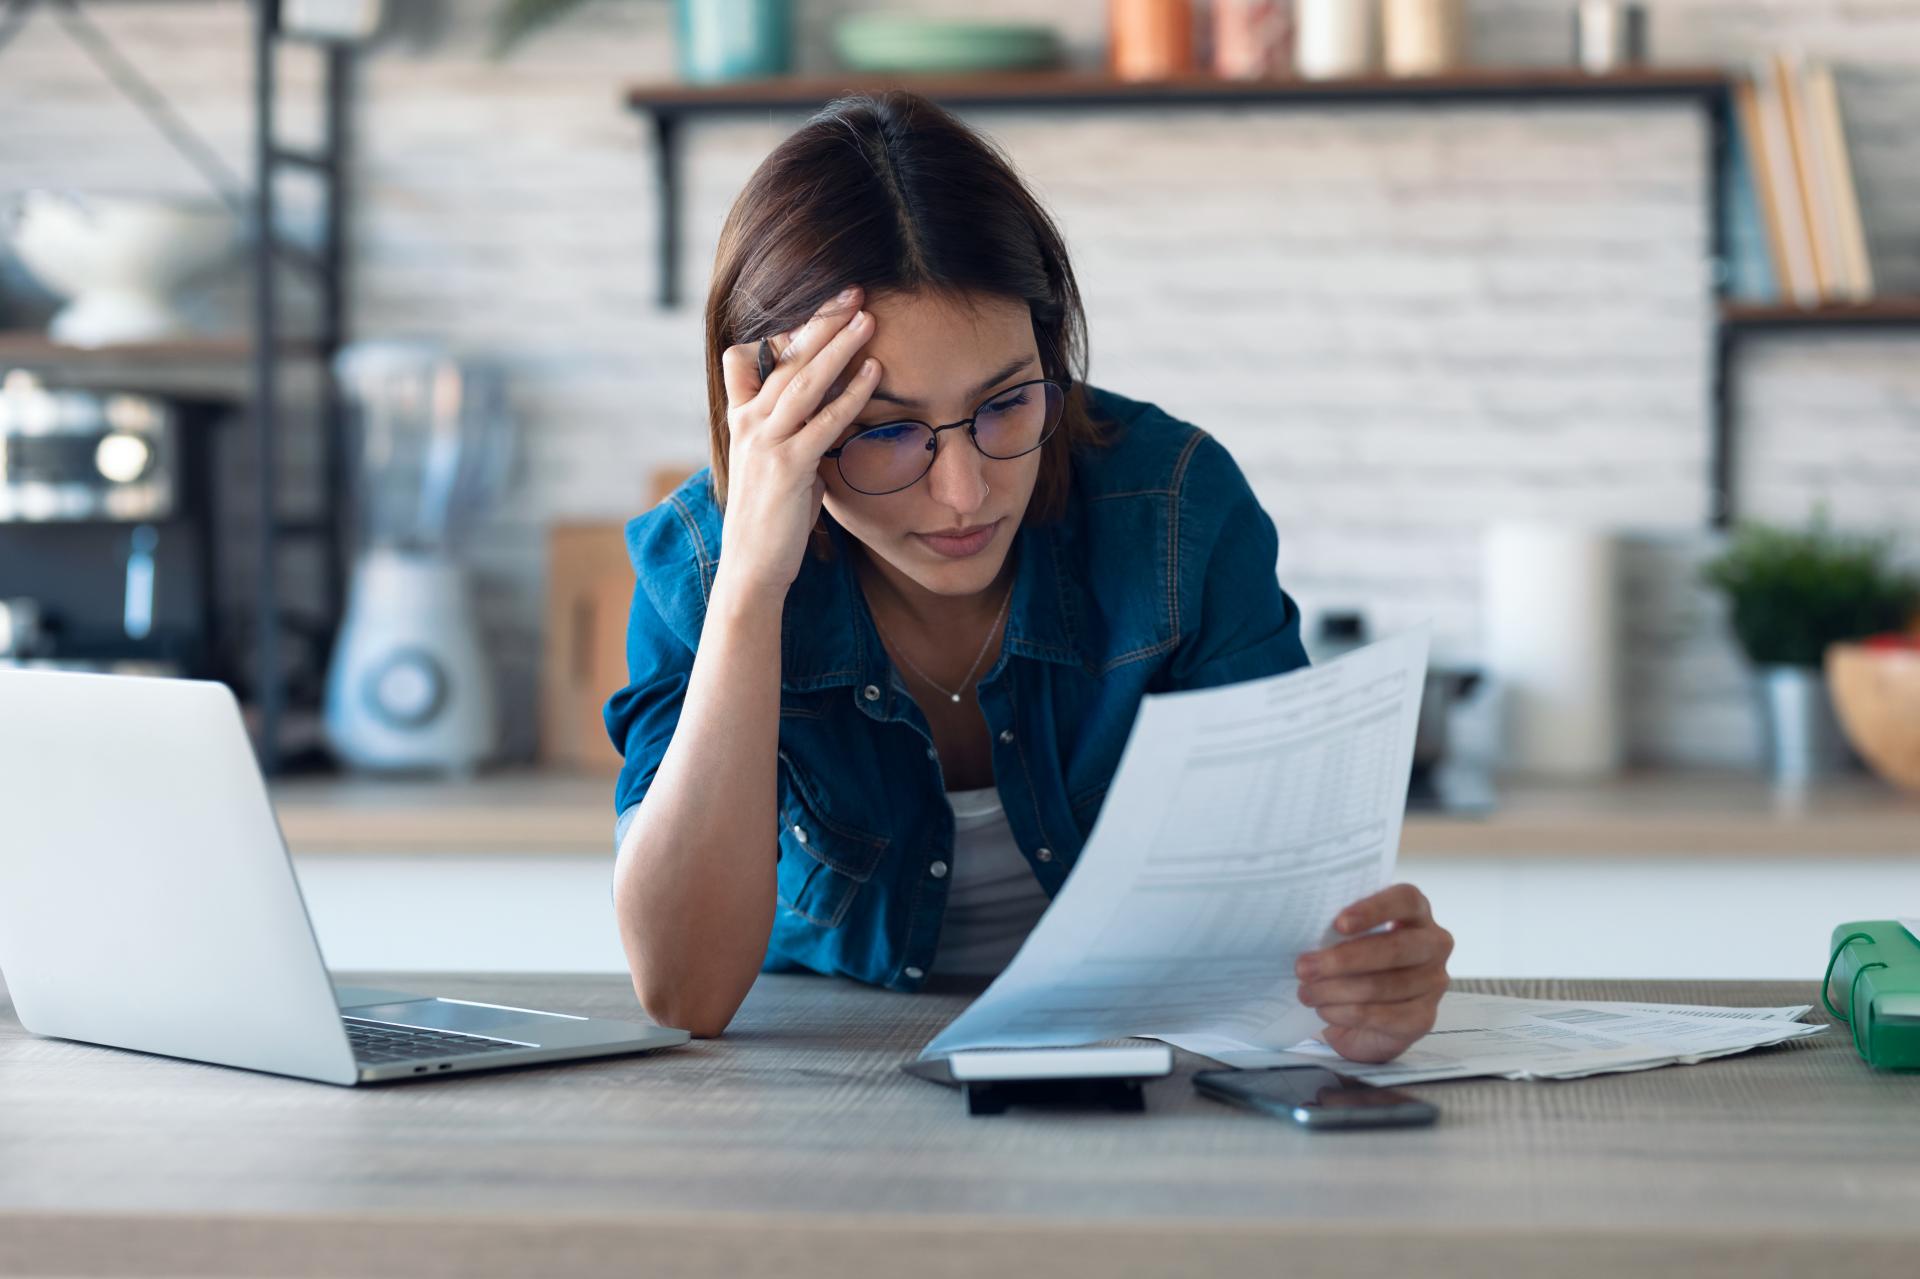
1719 113
666 177
326 265
255 205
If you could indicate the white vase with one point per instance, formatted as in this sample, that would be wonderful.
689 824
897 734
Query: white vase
1334 39
1804 741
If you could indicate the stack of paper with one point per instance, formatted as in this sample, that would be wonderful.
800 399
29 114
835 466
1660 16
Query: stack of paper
1239 823
1554 1039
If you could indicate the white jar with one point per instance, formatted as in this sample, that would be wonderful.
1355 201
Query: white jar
1422 37
1333 38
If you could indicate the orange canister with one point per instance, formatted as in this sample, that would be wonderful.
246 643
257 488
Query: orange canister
1150 39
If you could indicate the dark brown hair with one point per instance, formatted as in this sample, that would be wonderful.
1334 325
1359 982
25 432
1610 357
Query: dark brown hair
897 195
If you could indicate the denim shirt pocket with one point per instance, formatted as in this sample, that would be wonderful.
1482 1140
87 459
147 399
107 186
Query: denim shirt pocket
1086 805
823 861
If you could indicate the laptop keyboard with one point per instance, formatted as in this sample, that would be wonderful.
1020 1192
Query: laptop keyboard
378 1041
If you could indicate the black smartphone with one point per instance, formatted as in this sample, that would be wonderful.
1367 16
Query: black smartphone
1315 1097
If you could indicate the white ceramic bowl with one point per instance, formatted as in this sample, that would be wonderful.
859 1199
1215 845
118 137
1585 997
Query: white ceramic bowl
118 258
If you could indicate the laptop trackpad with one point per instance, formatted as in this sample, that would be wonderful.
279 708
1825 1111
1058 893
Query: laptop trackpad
446 1014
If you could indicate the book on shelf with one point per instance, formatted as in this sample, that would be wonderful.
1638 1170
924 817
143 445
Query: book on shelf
1789 74
1789 173
1852 268
1754 253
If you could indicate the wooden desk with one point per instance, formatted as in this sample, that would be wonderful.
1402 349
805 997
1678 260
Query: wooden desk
793 1147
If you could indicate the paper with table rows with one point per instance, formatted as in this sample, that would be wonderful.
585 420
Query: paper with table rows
1554 1039
1239 822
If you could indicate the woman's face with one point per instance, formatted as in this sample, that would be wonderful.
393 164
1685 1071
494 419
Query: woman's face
939 360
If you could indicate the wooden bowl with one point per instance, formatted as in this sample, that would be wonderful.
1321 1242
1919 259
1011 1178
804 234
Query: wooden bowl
1876 693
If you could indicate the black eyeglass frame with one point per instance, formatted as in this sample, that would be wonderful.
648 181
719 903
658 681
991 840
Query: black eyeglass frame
933 436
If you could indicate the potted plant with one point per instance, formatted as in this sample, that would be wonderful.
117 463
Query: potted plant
1791 593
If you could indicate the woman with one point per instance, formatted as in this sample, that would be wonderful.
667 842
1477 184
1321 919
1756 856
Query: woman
951 571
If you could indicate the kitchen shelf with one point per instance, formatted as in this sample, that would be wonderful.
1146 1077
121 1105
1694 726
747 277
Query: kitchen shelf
258 356
1740 320
669 105
32 348
1881 313
1707 88
1083 88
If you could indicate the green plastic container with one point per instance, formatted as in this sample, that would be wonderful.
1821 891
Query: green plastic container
1873 986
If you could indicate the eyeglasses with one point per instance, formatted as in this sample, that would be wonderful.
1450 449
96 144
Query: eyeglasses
896 455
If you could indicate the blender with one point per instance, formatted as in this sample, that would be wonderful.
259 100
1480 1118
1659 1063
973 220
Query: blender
409 687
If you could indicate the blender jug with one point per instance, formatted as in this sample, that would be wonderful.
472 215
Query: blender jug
409 686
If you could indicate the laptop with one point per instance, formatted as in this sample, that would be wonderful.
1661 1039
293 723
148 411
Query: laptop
147 901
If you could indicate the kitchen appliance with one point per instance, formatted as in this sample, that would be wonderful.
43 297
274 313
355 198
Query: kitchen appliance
118 259
19 628
409 686
106 553
1445 778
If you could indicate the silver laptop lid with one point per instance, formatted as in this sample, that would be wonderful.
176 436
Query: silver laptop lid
146 897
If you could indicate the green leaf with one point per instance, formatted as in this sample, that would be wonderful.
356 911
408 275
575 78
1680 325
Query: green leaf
1794 592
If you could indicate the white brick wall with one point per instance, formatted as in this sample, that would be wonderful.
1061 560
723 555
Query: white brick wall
1404 322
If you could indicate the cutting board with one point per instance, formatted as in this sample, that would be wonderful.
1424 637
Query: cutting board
589 591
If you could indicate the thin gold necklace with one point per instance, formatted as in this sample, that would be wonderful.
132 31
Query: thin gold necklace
985 644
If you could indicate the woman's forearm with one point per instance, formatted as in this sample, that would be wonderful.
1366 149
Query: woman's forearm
694 879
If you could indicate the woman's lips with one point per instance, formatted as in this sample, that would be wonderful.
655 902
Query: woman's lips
958 548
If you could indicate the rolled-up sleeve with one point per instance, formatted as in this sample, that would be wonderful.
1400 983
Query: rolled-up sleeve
1236 621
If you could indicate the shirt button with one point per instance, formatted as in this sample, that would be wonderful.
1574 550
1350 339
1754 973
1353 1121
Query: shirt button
1006 737
915 973
800 833
871 692
1043 854
938 870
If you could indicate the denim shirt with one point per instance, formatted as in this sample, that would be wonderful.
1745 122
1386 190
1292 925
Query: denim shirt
1159 576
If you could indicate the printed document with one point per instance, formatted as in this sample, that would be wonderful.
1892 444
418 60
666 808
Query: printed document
1554 1039
1239 822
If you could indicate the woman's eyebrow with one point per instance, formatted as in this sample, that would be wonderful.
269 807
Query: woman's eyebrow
987 383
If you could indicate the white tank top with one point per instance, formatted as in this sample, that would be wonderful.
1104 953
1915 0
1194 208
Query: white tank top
993 898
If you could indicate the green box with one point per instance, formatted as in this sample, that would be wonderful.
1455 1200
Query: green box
1873 983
